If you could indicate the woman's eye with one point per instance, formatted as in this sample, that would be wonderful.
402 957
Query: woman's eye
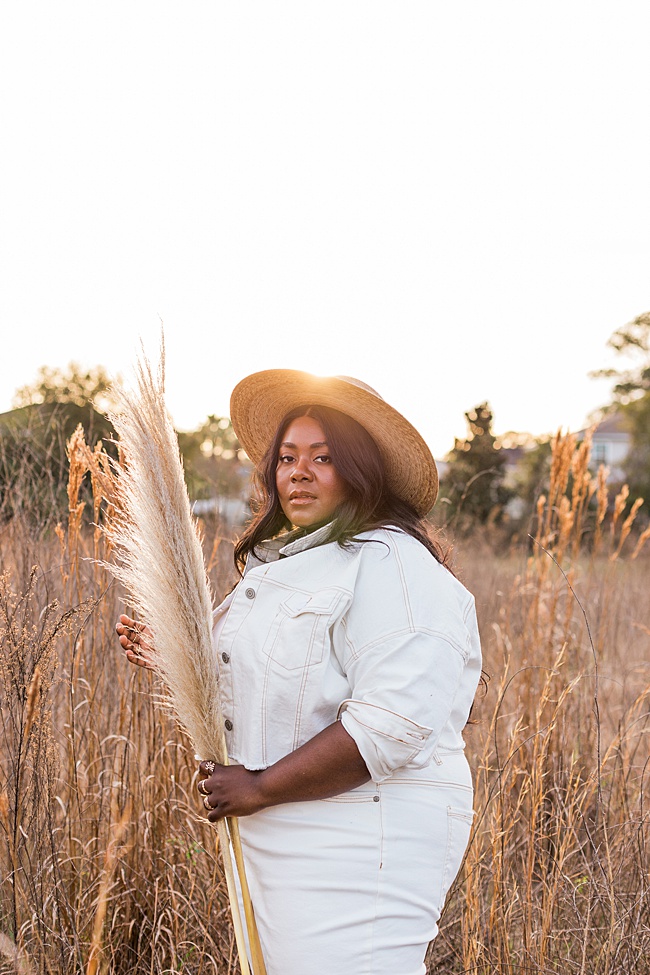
324 458
285 458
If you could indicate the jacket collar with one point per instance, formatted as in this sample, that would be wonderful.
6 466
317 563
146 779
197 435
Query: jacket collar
289 543
303 542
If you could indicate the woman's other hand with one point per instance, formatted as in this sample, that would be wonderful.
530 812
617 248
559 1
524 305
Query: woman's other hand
137 642
229 790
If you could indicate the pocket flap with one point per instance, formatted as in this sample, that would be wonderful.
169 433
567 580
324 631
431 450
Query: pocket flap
321 603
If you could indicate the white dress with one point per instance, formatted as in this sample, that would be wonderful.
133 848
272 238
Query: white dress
384 638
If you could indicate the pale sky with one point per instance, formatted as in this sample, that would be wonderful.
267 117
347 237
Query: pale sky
450 201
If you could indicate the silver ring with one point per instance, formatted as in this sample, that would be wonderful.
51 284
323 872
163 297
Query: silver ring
201 787
206 803
210 766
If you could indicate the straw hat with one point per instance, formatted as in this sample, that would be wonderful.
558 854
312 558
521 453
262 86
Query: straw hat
260 402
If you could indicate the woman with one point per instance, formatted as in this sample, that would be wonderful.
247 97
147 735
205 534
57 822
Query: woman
349 657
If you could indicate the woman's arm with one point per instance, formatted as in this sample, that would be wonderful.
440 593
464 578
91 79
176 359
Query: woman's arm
411 655
328 764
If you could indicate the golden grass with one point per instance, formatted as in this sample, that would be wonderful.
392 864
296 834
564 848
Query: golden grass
557 875
106 863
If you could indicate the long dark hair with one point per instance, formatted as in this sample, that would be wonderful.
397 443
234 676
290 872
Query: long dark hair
370 503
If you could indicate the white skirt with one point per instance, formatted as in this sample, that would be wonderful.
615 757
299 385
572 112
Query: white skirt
354 885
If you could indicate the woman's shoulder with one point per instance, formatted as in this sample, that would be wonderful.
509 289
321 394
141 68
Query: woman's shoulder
396 540
391 544
415 563
401 586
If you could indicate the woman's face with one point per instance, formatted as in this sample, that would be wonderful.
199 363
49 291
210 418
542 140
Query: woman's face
309 486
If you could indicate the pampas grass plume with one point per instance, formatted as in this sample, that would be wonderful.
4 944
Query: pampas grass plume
159 558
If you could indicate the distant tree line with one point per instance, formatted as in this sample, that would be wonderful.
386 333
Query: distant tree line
631 397
477 487
33 437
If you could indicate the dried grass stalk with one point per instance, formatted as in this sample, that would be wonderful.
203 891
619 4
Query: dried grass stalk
159 560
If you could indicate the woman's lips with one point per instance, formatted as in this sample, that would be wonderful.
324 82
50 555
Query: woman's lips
301 499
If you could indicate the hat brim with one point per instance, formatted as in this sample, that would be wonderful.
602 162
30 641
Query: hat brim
261 401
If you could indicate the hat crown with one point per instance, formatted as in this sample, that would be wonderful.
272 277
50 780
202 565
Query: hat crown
360 385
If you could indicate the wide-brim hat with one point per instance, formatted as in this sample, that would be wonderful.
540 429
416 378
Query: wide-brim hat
260 402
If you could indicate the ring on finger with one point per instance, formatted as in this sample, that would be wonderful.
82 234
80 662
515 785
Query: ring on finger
206 802
201 787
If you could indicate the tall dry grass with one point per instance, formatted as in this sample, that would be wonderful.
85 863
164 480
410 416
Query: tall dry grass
557 875
106 864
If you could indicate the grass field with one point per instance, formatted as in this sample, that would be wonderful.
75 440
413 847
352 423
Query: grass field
106 864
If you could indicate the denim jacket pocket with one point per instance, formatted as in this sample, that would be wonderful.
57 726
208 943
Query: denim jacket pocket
299 634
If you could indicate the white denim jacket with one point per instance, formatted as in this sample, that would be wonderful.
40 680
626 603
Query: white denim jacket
379 635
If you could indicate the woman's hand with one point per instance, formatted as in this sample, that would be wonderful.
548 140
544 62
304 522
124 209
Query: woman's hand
229 790
326 765
137 642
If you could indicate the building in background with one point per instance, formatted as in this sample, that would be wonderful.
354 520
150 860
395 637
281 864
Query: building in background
610 445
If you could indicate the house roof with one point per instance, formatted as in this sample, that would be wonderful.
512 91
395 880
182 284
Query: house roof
613 423
612 426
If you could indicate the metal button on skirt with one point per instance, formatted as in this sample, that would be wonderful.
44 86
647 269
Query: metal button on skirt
354 885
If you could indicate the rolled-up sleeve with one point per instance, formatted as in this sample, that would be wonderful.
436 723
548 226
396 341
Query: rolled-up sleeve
406 656
403 694
385 740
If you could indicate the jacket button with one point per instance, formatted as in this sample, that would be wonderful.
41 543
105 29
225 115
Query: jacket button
250 594
374 798
228 724
225 657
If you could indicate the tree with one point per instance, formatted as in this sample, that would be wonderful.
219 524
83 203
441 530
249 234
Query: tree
631 340
70 385
631 393
215 463
533 473
473 482
33 462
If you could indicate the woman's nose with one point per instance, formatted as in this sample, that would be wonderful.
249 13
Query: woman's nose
300 472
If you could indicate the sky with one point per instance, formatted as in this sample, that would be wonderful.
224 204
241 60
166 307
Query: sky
449 201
